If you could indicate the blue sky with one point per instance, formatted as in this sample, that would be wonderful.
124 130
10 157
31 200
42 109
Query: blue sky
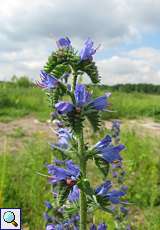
128 31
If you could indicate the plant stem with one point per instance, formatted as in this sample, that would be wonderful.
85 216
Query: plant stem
74 81
83 201
83 163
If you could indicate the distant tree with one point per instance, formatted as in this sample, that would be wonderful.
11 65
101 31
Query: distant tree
22 81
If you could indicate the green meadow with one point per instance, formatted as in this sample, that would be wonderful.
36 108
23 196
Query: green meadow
24 150
16 102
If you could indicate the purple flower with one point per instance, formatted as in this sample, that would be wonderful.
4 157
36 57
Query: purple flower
124 210
82 98
99 103
74 194
59 124
48 204
54 115
124 188
47 217
69 174
117 164
65 76
64 43
93 227
128 227
104 191
69 87
115 195
102 227
47 81
59 227
64 107
50 227
87 51
116 124
103 188
107 151
103 143
111 153
115 174
65 137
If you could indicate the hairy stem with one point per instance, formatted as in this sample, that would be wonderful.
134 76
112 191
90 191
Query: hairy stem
83 201
74 81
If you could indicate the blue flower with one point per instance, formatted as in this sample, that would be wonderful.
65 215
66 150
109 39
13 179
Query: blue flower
93 227
69 174
102 227
107 151
87 51
116 124
64 43
47 217
124 210
103 143
59 227
72 222
64 107
115 195
65 137
103 188
65 76
124 188
47 81
99 103
111 153
50 227
74 194
48 204
59 123
82 98
104 191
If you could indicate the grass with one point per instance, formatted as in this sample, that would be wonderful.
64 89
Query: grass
141 160
21 186
16 102
133 105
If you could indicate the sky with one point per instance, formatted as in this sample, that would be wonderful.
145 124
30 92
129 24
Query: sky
128 31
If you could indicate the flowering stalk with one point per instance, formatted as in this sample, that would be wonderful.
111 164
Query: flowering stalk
82 163
74 198
83 202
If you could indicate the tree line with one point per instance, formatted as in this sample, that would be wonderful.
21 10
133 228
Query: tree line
24 81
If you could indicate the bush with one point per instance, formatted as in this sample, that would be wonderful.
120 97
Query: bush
23 81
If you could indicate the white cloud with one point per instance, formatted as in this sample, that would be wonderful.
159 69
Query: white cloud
137 66
29 29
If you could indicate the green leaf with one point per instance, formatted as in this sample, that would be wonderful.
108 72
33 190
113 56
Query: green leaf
85 186
90 68
94 118
102 165
60 69
63 194
74 120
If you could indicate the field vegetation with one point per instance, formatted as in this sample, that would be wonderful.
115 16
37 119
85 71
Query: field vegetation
21 184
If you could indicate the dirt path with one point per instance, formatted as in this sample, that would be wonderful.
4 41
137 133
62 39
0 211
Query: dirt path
142 126
16 132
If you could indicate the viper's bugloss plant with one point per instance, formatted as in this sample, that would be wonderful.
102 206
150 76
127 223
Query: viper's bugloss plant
74 198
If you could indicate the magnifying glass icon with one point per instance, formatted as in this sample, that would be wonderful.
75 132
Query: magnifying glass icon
9 217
